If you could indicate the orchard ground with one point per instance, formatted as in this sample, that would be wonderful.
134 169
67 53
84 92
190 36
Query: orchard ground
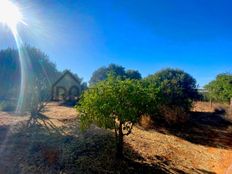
53 143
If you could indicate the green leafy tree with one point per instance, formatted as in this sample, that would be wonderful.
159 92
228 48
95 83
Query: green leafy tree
220 89
133 74
117 104
98 75
38 69
39 65
9 71
119 71
178 89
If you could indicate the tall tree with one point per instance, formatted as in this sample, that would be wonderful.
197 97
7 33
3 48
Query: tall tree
40 71
9 73
133 74
117 70
39 66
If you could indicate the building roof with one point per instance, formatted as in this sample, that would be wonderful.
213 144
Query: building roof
63 76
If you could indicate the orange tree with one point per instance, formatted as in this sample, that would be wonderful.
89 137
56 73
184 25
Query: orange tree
117 104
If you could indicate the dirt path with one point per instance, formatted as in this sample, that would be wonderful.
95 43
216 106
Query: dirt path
224 166
8 119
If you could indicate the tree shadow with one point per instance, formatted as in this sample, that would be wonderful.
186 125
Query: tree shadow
3 133
44 121
68 103
204 128
159 164
39 146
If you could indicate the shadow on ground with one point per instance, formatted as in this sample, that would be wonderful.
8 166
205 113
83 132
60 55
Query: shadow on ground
38 146
204 128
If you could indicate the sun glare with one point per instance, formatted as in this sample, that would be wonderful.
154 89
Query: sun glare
10 14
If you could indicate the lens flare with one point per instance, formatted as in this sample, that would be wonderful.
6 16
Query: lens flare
11 16
23 68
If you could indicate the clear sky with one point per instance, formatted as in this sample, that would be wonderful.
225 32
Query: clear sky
146 35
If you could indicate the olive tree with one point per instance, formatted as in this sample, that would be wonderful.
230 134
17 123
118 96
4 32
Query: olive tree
116 104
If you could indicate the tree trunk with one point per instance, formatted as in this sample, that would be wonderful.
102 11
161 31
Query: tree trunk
119 143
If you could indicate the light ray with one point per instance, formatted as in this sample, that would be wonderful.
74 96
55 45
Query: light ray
22 62
11 16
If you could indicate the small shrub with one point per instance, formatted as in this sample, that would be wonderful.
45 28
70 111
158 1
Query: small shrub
174 115
146 121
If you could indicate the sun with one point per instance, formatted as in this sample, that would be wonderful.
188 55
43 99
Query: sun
10 14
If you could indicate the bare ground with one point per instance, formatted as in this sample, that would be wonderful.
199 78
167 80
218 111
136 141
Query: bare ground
53 143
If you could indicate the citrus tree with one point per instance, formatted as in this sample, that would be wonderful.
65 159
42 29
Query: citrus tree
117 104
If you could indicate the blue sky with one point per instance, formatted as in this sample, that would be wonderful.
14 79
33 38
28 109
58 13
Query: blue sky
146 35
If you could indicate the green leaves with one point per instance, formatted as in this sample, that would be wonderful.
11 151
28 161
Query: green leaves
220 89
115 99
177 87
115 70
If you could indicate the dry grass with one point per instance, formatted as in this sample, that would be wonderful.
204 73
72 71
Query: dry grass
146 122
55 144
174 154
207 107
11 118
224 109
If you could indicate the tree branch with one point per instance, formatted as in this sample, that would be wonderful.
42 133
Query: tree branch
128 126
